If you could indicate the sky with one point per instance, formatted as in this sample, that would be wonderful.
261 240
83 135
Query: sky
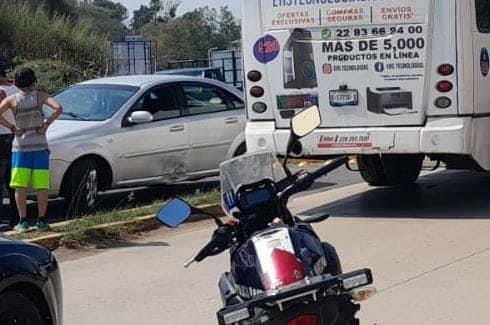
188 5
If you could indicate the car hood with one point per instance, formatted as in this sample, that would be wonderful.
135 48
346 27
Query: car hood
61 129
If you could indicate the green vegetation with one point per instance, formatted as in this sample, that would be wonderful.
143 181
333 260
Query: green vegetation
187 37
65 42
82 231
68 39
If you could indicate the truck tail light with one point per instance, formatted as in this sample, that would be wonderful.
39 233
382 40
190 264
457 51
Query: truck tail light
445 69
444 86
257 91
254 76
443 102
259 107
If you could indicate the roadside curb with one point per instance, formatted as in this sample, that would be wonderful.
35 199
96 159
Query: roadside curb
140 224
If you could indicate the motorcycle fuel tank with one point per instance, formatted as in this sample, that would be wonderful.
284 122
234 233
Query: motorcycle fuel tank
277 257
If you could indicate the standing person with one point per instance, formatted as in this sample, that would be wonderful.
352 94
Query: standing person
30 157
7 88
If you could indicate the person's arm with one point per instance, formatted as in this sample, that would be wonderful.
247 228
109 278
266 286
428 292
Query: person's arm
55 107
5 105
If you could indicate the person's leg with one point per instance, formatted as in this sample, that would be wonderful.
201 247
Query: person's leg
21 200
3 171
5 214
40 182
11 191
42 203
21 176
14 216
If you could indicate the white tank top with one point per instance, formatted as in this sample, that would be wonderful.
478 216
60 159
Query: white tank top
8 115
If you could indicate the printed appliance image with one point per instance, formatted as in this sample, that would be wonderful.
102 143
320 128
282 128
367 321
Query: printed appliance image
390 101
299 64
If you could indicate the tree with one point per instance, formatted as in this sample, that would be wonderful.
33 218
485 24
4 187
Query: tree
192 35
144 15
166 9
114 10
229 27
104 17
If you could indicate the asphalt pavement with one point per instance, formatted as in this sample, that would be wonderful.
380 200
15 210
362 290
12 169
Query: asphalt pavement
428 246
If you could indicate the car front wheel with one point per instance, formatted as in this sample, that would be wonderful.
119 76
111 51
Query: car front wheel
16 309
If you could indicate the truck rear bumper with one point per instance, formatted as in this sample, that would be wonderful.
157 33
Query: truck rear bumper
439 135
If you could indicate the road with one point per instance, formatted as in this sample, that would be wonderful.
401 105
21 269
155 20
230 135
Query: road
428 246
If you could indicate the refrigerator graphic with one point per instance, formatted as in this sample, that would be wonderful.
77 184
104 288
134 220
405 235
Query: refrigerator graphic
298 60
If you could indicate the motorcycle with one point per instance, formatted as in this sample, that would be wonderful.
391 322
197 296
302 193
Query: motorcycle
281 272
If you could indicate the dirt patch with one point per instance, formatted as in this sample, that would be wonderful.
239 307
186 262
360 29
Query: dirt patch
159 235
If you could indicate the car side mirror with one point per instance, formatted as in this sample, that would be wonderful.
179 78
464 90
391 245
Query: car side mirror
140 117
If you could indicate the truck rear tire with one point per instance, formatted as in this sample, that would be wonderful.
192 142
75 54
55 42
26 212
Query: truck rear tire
390 170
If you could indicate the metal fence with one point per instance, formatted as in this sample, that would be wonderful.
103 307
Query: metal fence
229 62
132 57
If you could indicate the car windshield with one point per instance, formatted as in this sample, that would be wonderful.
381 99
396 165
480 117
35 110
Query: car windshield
248 169
93 102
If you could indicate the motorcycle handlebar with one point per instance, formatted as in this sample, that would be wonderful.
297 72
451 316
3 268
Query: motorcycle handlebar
329 167
303 181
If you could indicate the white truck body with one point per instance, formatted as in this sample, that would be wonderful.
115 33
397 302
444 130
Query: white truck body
390 77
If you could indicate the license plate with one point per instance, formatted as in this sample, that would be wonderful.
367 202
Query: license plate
340 98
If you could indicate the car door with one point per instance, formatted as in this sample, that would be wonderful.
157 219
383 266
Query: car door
214 118
158 150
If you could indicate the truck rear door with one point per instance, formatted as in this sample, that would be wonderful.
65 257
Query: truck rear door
364 63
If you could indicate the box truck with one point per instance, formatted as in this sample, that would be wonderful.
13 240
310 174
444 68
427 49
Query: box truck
396 81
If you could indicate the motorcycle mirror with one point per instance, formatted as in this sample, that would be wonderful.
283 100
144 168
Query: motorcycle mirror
174 213
306 122
302 124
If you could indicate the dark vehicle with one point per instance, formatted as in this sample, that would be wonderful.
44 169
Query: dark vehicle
209 73
30 285
281 272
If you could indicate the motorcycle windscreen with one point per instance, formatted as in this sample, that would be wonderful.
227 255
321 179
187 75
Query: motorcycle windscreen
247 169
363 63
278 262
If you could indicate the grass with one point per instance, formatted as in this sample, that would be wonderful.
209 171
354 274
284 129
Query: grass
81 231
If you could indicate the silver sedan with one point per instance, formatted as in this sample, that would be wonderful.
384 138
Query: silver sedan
142 130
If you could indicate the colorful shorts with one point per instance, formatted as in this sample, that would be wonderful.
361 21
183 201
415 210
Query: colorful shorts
30 167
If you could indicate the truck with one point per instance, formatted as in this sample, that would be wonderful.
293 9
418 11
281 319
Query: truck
396 81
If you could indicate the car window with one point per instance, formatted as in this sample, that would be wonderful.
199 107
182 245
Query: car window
161 102
236 102
202 98
93 102
483 15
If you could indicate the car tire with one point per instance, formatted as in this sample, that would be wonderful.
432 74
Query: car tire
82 187
17 309
390 170
241 150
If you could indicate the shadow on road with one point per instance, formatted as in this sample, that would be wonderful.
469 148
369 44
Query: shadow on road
442 195
128 244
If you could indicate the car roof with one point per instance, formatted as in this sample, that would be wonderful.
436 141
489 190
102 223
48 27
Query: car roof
153 80
187 70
